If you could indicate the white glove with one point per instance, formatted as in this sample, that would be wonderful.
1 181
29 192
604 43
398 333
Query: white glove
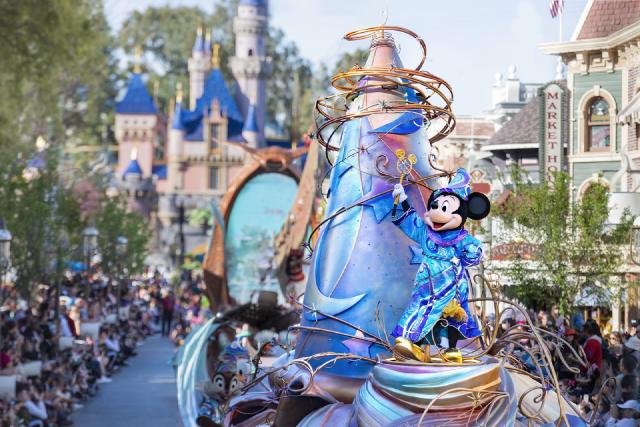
398 190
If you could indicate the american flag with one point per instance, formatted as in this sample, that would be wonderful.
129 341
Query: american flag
555 7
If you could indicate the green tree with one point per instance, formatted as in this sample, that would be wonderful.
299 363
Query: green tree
576 252
43 217
58 72
288 87
46 214
112 220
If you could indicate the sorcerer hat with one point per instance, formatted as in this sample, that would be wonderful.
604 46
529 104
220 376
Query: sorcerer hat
459 185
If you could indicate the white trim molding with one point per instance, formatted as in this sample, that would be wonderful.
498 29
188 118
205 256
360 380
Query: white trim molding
594 179
602 43
514 146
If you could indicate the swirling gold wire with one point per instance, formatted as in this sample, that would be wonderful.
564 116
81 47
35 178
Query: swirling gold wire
433 94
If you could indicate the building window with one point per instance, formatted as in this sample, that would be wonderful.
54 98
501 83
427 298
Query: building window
250 52
598 125
213 178
159 148
215 137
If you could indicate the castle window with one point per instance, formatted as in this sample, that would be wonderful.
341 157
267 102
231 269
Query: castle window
598 123
215 137
213 178
250 52
159 148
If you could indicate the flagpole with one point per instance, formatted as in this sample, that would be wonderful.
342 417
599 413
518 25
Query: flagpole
560 66
560 21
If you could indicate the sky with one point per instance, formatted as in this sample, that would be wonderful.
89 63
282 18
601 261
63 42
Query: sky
468 41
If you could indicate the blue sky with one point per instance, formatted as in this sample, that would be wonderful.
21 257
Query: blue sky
469 41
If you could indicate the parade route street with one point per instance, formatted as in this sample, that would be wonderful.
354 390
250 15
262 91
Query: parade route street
142 394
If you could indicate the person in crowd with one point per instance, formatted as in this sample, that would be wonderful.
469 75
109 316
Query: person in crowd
624 414
631 330
632 346
593 344
67 325
30 399
168 306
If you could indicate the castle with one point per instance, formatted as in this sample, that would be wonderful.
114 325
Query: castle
167 164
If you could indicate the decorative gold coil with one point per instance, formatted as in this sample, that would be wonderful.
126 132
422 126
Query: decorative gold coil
433 94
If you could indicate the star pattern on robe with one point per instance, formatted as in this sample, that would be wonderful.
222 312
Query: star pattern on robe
357 345
416 255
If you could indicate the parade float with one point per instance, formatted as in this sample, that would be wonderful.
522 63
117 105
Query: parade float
386 335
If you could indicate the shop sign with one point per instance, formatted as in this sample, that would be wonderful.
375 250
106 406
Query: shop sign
552 151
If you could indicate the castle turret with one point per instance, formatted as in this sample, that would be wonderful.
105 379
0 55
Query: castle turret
137 125
250 65
198 66
175 152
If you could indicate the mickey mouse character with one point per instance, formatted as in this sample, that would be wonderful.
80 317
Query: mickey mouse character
439 301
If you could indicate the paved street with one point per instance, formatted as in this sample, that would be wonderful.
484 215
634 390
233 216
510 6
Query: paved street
142 394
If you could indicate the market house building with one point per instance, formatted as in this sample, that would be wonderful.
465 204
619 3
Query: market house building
603 70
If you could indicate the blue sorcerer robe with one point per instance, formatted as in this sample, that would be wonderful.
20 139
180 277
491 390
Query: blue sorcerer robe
441 277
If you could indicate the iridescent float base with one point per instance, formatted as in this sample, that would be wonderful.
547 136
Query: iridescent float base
480 392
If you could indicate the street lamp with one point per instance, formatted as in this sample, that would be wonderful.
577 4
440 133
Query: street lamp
90 245
5 259
121 245
635 241
5 247
121 251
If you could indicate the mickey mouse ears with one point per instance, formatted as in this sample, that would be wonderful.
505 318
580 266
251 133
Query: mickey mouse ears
478 206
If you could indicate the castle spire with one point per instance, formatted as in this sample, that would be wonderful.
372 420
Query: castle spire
137 59
207 43
178 93
177 109
215 57
198 44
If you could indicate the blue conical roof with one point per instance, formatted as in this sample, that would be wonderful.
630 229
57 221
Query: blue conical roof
251 124
215 88
177 117
133 168
137 99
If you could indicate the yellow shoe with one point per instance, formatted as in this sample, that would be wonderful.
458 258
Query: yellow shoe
404 349
426 356
453 355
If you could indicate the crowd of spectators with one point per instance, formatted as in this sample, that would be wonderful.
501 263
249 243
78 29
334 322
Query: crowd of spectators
598 373
54 356
189 308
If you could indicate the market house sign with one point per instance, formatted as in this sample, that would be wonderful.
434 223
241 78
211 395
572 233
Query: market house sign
552 131
511 251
